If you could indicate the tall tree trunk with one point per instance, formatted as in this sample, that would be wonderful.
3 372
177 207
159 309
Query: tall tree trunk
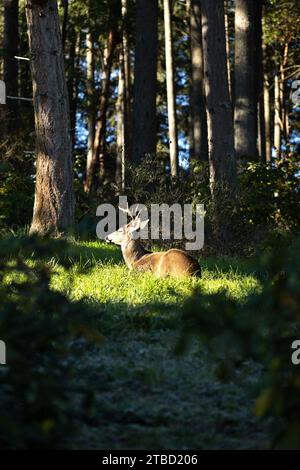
267 118
145 82
127 73
172 120
10 46
227 34
121 123
70 74
219 115
197 101
283 106
73 73
219 112
259 61
54 198
277 120
96 169
245 110
90 91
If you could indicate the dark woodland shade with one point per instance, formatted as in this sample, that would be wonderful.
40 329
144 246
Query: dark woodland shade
10 46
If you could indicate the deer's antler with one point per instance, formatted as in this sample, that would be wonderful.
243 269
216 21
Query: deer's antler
127 211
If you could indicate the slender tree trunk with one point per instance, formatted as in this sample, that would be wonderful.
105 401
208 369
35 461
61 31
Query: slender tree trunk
267 118
127 73
90 90
283 106
227 46
259 60
245 110
54 198
10 71
73 71
198 111
145 81
277 120
25 86
219 115
121 123
96 169
172 120
222 164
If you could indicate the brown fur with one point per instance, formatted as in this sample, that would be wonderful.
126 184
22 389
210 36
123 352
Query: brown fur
173 262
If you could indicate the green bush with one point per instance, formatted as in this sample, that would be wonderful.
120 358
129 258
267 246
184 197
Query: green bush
39 326
263 329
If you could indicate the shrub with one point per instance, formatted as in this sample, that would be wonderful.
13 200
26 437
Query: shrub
263 329
39 327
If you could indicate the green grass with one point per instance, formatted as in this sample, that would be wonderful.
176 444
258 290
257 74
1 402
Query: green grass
146 397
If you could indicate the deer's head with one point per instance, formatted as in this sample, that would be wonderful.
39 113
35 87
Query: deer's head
125 234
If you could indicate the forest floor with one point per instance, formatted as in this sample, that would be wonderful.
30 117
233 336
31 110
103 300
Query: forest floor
146 396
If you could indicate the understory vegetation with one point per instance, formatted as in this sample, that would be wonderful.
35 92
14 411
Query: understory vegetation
100 357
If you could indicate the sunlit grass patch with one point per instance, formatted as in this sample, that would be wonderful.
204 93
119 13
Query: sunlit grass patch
99 274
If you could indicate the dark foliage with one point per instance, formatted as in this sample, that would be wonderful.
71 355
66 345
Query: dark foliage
263 329
38 396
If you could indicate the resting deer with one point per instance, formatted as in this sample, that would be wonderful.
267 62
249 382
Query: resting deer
173 262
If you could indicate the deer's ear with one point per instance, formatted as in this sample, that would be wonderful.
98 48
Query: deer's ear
143 224
134 225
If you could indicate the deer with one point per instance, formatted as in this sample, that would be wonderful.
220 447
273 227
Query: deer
174 262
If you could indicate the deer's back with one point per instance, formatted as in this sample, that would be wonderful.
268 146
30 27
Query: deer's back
173 262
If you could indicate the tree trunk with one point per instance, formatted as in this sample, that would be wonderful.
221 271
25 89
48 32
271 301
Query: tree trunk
121 123
227 46
145 82
197 101
90 91
267 119
219 114
277 120
127 73
96 169
245 110
10 71
172 120
283 106
222 167
75 85
73 79
54 198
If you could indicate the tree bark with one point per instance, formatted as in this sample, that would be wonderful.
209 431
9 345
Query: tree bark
227 46
267 119
199 147
277 120
10 71
54 198
246 95
283 106
171 98
75 85
127 74
219 114
121 123
90 91
145 81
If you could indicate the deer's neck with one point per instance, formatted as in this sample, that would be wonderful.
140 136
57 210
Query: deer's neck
132 251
